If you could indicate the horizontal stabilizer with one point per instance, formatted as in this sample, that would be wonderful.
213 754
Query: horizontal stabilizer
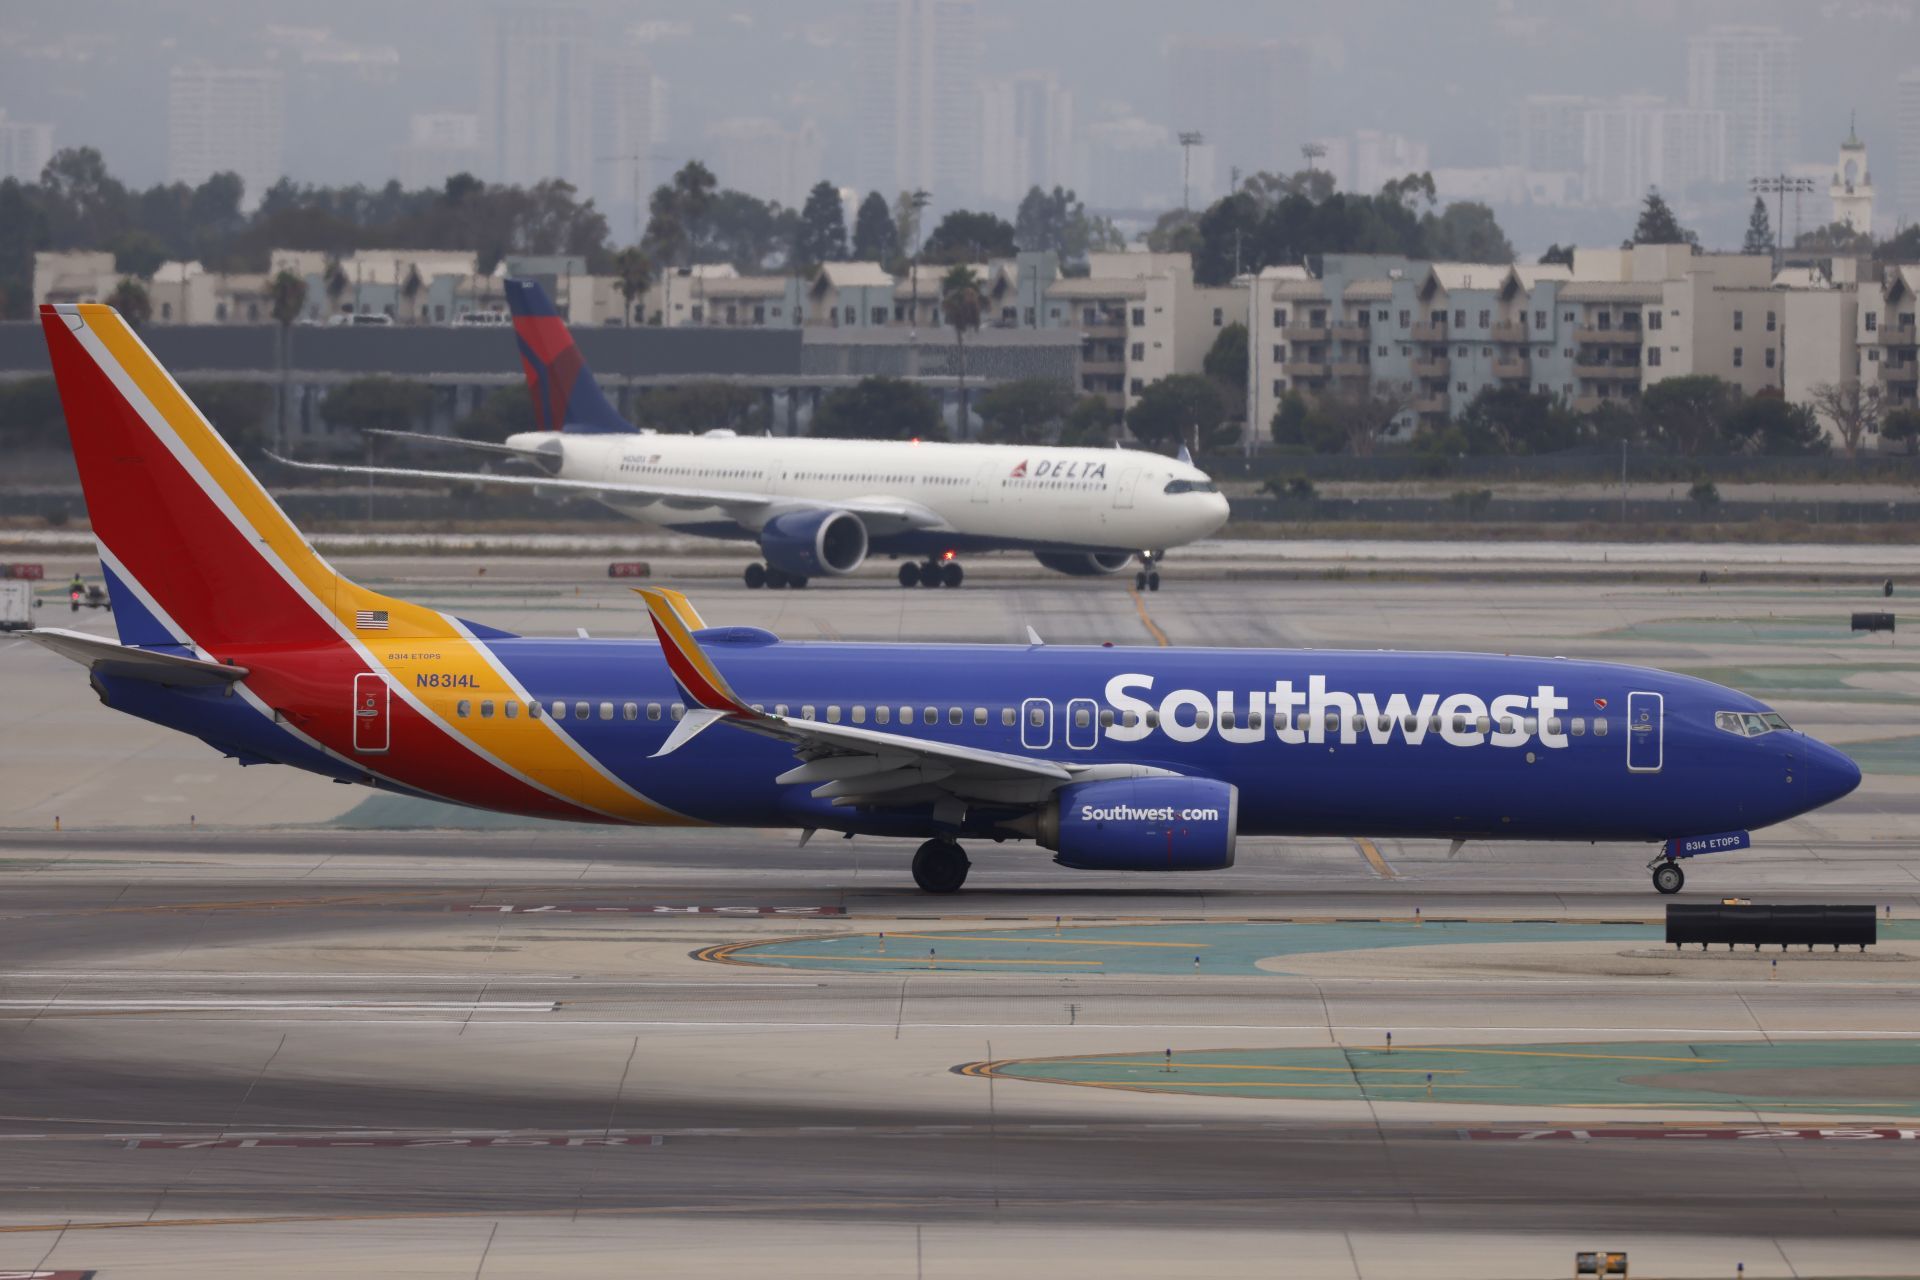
114 659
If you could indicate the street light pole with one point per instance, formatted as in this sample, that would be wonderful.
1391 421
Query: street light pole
1189 139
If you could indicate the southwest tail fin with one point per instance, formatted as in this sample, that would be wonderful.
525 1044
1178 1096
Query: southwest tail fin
198 557
565 396
695 672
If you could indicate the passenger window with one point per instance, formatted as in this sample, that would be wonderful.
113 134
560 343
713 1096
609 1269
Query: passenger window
629 711
462 708
780 708
1081 719
1599 726
1226 719
1333 722
883 715
1459 724
677 710
833 714
1579 726
955 715
1483 725
606 711
930 715
906 715
1106 719
1506 724
806 712
1036 717
759 708
979 715
582 711
1130 719
486 709
1153 719
1409 723
1254 719
1532 725
511 710
533 711
1554 726
1433 724
653 711
1007 716
1203 719
860 715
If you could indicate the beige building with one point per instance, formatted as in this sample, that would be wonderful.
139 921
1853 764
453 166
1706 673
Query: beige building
1141 317
1889 354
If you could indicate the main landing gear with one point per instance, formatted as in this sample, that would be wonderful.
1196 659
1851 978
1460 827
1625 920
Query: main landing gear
1148 579
940 866
765 575
934 573
1667 875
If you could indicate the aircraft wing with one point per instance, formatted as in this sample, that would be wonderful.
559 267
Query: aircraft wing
855 765
878 508
455 442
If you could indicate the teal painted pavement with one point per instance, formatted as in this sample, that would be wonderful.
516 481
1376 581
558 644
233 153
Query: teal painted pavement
1156 948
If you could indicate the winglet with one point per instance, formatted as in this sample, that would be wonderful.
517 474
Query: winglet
684 607
689 663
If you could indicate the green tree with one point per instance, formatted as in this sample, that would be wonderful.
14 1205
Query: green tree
633 273
1688 415
1465 231
378 403
1852 408
1904 247
504 411
822 235
30 416
1557 255
1299 423
23 230
960 301
138 253
875 238
1024 411
1226 359
1509 420
701 406
1367 413
1759 230
966 236
1089 424
131 300
1175 231
1902 426
1182 408
1766 423
1051 221
1835 237
237 410
1657 224
86 206
879 408
286 297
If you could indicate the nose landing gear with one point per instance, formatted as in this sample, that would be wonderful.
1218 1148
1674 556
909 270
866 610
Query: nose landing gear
1148 579
940 866
1667 875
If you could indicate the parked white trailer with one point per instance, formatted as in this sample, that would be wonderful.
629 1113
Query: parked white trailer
16 604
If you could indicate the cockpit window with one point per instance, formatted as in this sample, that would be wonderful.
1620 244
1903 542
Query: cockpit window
1748 724
1192 486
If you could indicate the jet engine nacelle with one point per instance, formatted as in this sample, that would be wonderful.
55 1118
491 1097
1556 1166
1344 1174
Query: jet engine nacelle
1085 564
1142 824
812 543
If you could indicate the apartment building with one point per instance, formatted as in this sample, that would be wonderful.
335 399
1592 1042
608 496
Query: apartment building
1889 356
1141 318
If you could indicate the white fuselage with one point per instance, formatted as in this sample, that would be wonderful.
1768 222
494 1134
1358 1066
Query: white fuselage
1018 497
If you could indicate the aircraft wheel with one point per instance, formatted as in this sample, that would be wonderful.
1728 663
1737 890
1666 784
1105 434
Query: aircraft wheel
930 574
1668 877
796 581
756 576
1140 581
940 866
909 574
776 578
951 574
1153 581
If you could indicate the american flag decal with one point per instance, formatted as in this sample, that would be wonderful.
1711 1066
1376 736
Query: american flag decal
370 619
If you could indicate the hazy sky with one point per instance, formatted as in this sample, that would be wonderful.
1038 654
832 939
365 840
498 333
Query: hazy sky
1439 70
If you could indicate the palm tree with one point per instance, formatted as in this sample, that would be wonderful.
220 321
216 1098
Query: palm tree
286 298
130 299
633 272
410 290
960 297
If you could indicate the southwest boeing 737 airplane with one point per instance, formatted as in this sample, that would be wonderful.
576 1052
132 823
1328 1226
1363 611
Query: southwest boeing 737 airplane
233 629
820 507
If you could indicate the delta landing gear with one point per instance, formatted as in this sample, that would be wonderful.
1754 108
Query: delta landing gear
944 572
1667 875
765 575
940 866
1148 579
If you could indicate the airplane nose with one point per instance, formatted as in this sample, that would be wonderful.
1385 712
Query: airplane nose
1216 514
1827 773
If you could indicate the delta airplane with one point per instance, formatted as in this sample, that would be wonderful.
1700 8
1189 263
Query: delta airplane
234 630
819 507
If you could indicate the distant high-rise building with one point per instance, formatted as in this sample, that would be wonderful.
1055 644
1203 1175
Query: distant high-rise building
1637 143
24 149
1907 145
627 109
1753 75
1026 136
1546 133
1131 163
767 159
1367 159
439 144
1251 99
541 121
917 94
226 121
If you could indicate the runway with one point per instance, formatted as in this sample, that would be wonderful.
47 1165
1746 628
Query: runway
300 1041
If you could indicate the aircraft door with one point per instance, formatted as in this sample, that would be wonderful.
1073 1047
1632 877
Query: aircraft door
371 700
1646 732
1083 724
982 491
1036 724
1124 486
